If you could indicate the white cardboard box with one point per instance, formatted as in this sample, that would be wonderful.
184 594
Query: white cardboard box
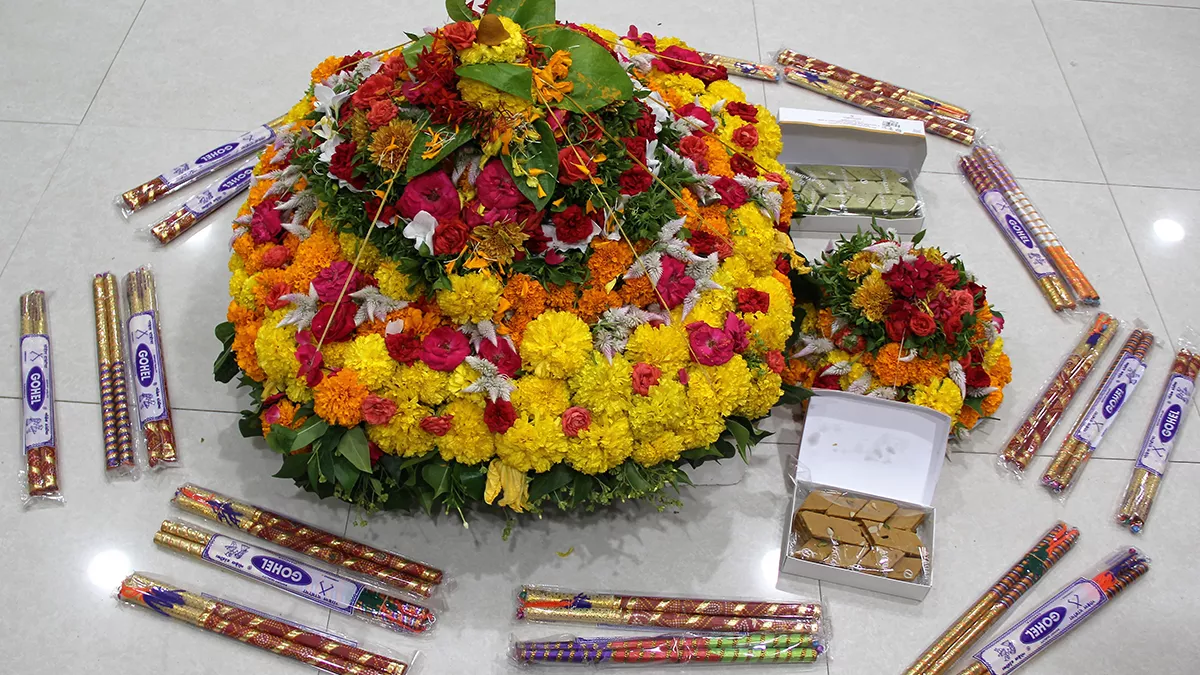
845 139
875 448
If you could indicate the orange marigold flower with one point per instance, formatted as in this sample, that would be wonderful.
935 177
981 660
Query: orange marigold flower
339 397
609 260
526 300
1001 373
968 417
264 284
326 68
896 373
991 402
687 206
287 416
258 192
312 255
716 220
244 246
238 315
638 291
788 207
422 323
797 372
562 297
244 336
825 323
718 157
371 327
594 301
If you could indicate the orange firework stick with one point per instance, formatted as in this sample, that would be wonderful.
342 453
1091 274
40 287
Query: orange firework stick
37 400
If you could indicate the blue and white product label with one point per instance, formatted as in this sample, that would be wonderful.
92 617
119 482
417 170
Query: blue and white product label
217 194
1109 402
37 399
1160 437
336 593
147 367
1041 627
219 156
1022 239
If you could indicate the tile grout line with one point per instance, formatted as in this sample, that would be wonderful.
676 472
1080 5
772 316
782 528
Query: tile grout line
111 62
38 203
1138 4
1074 182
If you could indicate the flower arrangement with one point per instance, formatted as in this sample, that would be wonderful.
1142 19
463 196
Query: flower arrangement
887 318
513 262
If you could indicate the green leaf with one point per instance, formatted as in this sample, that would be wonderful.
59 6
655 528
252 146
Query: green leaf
598 78
507 77
294 466
918 237
794 394
582 489
459 11
314 471
225 368
527 13
345 473
437 476
540 157
975 404
326 461
312 429
472 480
697 455
426 499
413 50
450 138
225 332
250 426
354 448
740 433
396 466
545 483
280 439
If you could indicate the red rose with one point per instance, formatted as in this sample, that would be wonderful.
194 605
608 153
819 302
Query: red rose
351 60
385 215
828 382
334 326
644 126
438 426
910 279
507 361
977 378
444 348
775 362
746 111
266 225
496 187
378 410
450 237
572 225
342 165
375 88
732 194
693 147
781 264
752 300
738 332
710 346
382 112
746 136
681 60
433 192
275 257
575 165
460 35
403 347
646 40
645 375
705 243
275 299
537 242
951 328
896 320
980 294
635 181
696 112
922 324
742 164
850 342
499 416
674 284
948 276
635 146
575 420
330 281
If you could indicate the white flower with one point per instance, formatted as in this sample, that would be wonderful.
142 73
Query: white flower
491 381
980 392
394 326
959 377
649 264
478 332
328 102
420 231
306 308
374 305
329 147
813 345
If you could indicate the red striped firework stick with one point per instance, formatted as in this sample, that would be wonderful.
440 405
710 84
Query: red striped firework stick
1033 222
37 400
909 97
150 374
548 597
880 105
696 622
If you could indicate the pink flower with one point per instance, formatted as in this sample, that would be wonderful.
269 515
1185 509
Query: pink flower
645 375
265 223
496 187
438 426
503 355
710 346
271 415
433 192
695 111
674 284
575 419
310 361
738 332
444 348
683 376
378 410
330 281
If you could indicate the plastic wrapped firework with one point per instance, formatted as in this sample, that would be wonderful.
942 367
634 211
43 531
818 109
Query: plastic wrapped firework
184 174
551 605
310 582
754 648
1161 435
416 578
116 347
879 104
758 71
118 441
1107 401
201 205
1049 408
1033 222
39 440
953 644
909 97
1022 242
330 653
1071 606
149 369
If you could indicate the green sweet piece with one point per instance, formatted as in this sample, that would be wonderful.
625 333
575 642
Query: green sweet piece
892 176
868 189
876 206
859 204
810 196
823 186
863 173
833 204
810 171
885 204
904 206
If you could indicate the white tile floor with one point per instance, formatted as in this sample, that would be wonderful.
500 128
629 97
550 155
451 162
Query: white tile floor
98 96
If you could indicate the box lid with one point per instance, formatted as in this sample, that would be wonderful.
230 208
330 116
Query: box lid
864 444
846 139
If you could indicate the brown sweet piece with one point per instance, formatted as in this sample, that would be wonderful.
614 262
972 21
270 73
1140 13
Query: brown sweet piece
817 500
906 519
845 507
908 569
814 550
846 532
820 526
882 558
845 556
876 510
491 31
892 538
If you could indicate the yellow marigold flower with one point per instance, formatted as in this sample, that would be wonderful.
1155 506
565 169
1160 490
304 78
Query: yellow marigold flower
368 356
873 296
809 323
391 144
734 273
298 390
678 81
665 447
775 326
714 305
755 240
609 36
238 283
730 383
540 396
604 388
727 90
276 349
429 386
403 435
514 483
492 99
339 397
601 446
299 111
704 423
941 395
933 254
461 378
509 51
764 394
371 257
663 410
535 445
992 355
471 298
392 282
859 266
665 346
468 441
556 344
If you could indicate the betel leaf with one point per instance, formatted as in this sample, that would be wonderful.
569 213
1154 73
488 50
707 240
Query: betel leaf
314 471
280 439
740 433
413 50
472 480
597 77
533 166
581 489
459 11
633 476
225 332
509 78
345 473
312 429
250 426
437 476
434 143
527 13
294 466
353 447
545 483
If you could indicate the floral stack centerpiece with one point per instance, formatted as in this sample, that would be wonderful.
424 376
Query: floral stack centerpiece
887 318
515 262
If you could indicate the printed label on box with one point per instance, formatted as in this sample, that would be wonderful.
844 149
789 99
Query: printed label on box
147 368
836 119
334 592
37 398
1110 400
1042 627
219 156
1020 237
1165 426
215 195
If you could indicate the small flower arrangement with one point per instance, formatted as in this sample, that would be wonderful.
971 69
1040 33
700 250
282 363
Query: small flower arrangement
895 320
513 262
